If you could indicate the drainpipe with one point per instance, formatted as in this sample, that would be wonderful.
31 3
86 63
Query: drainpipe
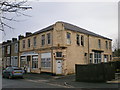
88 51
52 52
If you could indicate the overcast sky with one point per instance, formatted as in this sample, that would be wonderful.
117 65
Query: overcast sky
98 17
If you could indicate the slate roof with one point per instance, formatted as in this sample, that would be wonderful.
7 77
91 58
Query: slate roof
81 30
72 28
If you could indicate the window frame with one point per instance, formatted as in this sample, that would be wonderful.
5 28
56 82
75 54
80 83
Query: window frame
35 60
106 44
82 40
97 57
109 45
35 41
48 38
91 58
8 49
46 62
43 40
29 42
68 36
78 39
59 54
99 43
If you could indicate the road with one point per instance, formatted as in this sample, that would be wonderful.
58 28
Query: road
47 81
26 83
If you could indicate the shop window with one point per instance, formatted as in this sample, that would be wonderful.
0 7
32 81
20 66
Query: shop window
46 62
22 61
97 57
34 61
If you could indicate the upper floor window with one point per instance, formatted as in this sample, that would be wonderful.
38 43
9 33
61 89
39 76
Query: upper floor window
28 42
23 43
3 50
16 48
34 41
99 43
78 39
68 38
82 40
48 38
106 44
110 45
43 40
8 49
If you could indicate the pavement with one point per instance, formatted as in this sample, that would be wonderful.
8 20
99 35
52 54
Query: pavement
69 81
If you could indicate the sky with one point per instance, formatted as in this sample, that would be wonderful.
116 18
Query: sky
98 17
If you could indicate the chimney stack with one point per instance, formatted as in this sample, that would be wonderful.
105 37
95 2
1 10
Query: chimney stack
28 33
8 41
20 37
14 39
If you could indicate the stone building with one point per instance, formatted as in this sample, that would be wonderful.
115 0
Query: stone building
10 52
57 48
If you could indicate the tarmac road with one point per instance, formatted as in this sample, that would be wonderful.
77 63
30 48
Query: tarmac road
48 81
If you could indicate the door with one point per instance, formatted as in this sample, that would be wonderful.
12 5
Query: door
58 66
28 63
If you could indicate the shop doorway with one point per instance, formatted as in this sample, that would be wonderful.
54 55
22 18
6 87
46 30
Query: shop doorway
28 63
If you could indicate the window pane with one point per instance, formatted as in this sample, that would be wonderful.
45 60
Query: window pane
34 40
68 38
43 40
82 40
78 39
48 38
58 54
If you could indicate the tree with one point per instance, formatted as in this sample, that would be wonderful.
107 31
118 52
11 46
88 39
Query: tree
116 47
11 6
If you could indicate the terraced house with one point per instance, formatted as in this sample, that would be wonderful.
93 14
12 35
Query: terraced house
10 53
57 48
